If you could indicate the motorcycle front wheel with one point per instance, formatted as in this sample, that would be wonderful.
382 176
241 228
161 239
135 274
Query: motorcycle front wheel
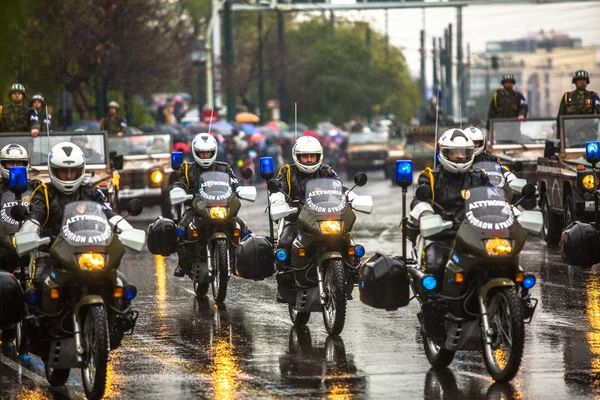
334 310
220 270
95 351
503 356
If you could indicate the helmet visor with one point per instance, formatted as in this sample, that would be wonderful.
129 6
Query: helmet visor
460 155
67 174
204 154
478 143
7 164
309 159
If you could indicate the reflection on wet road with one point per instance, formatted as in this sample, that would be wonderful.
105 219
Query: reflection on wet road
183 348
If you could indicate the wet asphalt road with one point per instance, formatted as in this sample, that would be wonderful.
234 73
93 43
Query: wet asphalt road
248 349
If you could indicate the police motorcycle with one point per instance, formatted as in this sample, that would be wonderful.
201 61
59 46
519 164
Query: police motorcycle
212 219
324 258
84 307
481 299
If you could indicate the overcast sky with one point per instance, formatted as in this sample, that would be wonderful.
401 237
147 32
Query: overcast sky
485 23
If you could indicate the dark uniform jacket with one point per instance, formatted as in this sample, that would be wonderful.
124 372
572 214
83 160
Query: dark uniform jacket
293 182
485 156
39 120
507 104
15 118
579 102
189 176
447 188
51 217
112 124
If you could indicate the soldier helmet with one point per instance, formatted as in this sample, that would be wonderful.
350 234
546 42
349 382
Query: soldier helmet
113 104
37 97
508 78
17 87
581 74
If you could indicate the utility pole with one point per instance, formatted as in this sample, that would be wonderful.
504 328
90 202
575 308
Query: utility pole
229 62
387 38
460 72
449 80
332 20
261 79
281 90
214 90
468 80
422 75
436 82
368 44
442 56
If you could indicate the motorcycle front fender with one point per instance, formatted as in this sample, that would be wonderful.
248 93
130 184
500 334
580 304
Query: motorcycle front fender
492 284
217 235
88 301
332 255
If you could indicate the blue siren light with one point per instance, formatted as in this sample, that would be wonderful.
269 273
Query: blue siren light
267 166
281 255
592 152
359 250
176 159
429 282
17 177
180 231
130 292
404 172
32 296
529 281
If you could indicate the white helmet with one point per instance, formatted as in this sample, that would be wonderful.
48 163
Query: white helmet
204 142
478 139
12 152
307 145
66 156
456 151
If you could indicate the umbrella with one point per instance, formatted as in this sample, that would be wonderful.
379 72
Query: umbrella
247 117
248 128
311 133
278 125
256 138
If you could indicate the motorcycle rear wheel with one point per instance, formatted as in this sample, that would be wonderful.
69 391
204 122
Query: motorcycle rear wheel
505 314
220 270
95 348
334 310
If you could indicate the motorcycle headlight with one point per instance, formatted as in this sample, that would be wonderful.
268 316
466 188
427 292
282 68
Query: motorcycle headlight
91 261
588 182
218 212
498 247
330 227
156 177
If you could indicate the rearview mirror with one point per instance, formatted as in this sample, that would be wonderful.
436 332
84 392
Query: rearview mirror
360 179
117 162
19 213
135 207
247 173
274 185
424 193
528 191
517 166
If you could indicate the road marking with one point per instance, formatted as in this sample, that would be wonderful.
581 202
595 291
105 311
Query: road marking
18 368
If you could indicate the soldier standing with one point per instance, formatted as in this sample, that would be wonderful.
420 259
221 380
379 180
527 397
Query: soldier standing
580 101
507 103
15 116
114 125
38 120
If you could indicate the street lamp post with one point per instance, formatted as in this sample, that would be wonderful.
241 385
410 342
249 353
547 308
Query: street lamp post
199 55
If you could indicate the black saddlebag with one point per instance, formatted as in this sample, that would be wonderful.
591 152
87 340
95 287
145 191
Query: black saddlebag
162 237
383 282
12 302
255 259
579 245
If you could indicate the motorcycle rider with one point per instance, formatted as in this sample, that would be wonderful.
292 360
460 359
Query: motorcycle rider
66 167
307 154
38 120
448 183
204 150
15 117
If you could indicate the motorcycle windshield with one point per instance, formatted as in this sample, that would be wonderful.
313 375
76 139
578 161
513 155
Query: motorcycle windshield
84 223
325 196
7 202
493 171
487 208
215 186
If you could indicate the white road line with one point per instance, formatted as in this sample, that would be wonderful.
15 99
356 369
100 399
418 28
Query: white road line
18 368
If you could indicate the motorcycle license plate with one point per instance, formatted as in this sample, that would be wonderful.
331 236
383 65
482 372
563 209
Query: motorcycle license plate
589 205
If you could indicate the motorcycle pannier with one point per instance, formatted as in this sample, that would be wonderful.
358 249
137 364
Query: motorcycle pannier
162 237
579 245
383 282
254 258
12 302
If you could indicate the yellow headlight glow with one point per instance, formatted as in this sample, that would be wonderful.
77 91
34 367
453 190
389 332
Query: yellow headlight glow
218 212
156 177
498 247
330 227
91 261
588 182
